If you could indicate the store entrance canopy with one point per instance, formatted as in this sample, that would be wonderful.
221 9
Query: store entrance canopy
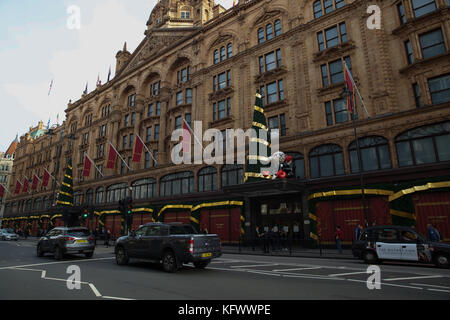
266 188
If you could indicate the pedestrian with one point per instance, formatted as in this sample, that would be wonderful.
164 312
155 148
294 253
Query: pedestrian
358 231
284 239
338 237
107 238
258 238
95 236
266 241
432 233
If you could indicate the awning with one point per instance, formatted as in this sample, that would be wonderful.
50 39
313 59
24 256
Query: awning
266 188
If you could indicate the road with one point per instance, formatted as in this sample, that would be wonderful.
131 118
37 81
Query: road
25 276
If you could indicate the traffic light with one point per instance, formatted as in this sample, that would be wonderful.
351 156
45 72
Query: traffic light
85 214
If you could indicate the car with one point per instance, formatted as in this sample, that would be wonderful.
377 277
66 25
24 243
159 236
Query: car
171 244
8 234
66 240
399 243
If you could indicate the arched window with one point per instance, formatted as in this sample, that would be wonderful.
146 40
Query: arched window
269 31
423 145
232 174
278 28
207 179
326 160
144 189
229 50
37 204
78 198
176 183
222 53
14 207
375 154
89 196
216 56
100 195
116 192
298 162
28 206
45 202
260 35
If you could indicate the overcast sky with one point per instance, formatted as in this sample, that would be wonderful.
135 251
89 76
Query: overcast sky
36 46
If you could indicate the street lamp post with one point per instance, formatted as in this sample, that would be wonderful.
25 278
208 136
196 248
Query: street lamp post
344 94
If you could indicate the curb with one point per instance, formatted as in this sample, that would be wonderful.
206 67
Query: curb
291 256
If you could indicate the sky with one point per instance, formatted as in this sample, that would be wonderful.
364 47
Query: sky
40 42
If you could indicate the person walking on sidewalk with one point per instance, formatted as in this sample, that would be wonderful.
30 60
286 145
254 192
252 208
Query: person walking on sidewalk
358 231
338 236
107 238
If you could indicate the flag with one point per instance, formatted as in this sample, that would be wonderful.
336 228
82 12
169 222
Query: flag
86 89
48 124
65 194
46 178
138 147
109 73
253 170
87 166
51 85
57 118
186 144
98 80
112 156
25 185
2 190
35 183
351 90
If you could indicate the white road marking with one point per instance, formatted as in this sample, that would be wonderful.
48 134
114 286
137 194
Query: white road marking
59 262
299 269
94 289
386 284
345 274
412 278
440 290
430 285
116 298
257 265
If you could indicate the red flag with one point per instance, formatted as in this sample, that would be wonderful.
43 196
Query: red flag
25 185
349 84
2 190
186 144
18 186
35 183
112 156
45 179
138 147
87 166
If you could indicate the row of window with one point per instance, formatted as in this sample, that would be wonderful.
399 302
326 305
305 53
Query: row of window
419 8
431 44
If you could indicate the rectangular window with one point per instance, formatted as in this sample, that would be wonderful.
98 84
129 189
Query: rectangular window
416 92
131 140
124 142
340 3
187 118
328 5
278 122
401 13
158 108
100 151
127 120
270 61
336 111
103 131
439 89
262 91
156 86
317 9
320 41
179 98
334 71
155 155
228 78
329 113
133 118
422 7
147 160
271 92
156 132
131 100
86 138
261 64
150 110
148 136
222 81
432 43
188 96
279 62
214 83
280 90
409 54
178 122
332 37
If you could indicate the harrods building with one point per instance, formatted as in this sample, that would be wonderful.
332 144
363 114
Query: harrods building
201 62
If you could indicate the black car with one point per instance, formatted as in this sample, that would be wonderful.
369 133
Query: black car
62 240
379 243
171 243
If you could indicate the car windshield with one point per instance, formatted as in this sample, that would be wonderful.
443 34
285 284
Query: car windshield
183 229
78 232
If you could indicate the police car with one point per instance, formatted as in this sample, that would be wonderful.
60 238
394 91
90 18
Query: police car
380 243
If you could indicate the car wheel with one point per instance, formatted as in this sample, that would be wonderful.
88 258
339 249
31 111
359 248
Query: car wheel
370 257
58 253
201 264
89 254
442 260
169 262
40 253
121 256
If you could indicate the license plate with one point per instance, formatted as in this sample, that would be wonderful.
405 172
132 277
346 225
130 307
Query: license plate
206 255
81 241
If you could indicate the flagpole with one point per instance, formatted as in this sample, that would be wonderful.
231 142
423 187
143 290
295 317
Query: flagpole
94 165
119 155
137 136
195 136
6 189
357 91
53 177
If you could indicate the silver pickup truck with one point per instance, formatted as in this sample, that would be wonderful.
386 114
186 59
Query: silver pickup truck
170 243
